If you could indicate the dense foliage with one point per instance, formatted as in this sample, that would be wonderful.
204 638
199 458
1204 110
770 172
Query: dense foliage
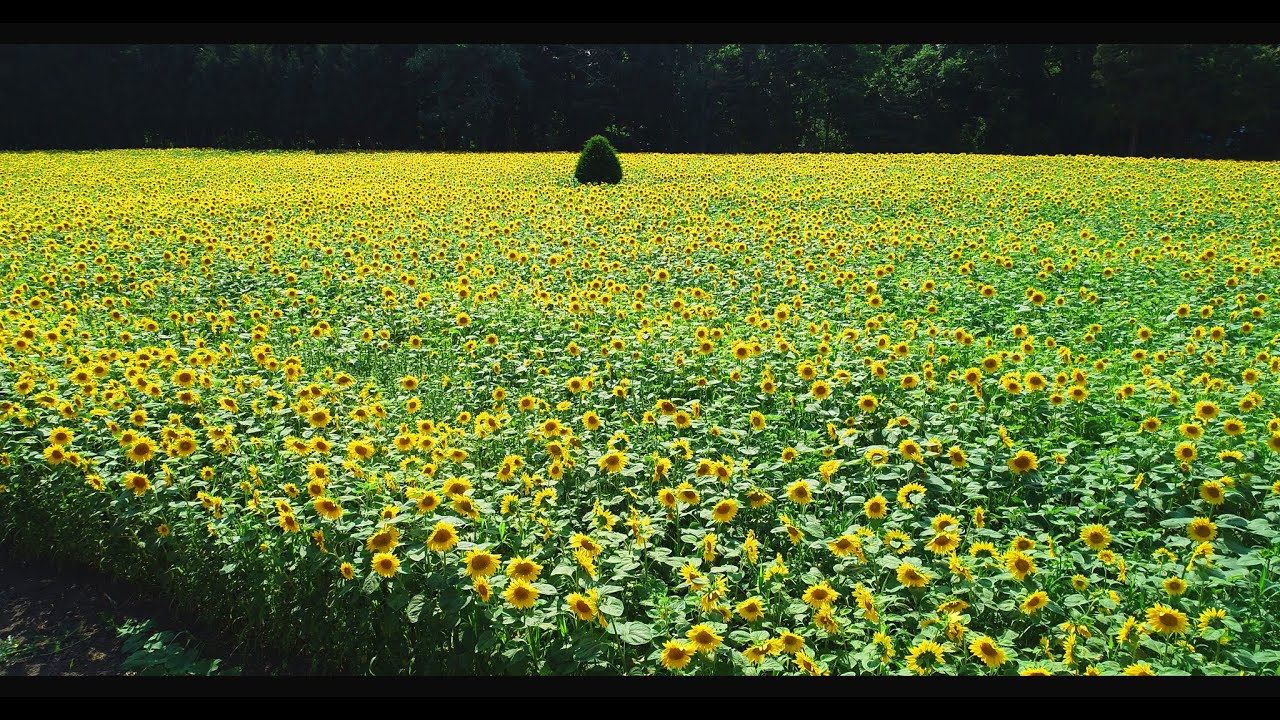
1153 100
743 414
598 163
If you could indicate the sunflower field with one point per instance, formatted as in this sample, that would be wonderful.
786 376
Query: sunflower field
755 415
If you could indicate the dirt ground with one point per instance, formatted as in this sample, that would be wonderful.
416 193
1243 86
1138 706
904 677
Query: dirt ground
74 621
58 622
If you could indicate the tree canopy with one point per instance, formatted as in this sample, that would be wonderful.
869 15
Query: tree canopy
1168 100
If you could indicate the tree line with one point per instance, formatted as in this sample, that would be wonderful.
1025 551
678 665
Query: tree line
1152 100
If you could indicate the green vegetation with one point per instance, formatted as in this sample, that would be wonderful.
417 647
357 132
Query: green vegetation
1180 100
598 163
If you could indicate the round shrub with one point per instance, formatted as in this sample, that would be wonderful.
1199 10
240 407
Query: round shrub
598 163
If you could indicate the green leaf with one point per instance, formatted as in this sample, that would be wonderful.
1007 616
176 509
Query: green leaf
414 609
611 606
634 633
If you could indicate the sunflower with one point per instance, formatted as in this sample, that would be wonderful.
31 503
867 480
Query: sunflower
523 568
427 502
480 564
1233 427
868 403
443 537
613 461
1166 620
820 390
910 450
347 571
466 507
1097 537
667 497
328 508
703 638
845 545
924 657
789 642
1206 410
686 494
724 510
582 606
584 543
520 595
1212 493
1185 452
676 655
1023 461
1079 582
138 483
319 418
360 450
943 543
906 492
1202 529
1034 602
61 436
55 455
876 507
799 493
386 564
912 577
142 450
751 609
1019 564
819 595
383 541
986 650
289 523
1139 669
1175 586
1035 671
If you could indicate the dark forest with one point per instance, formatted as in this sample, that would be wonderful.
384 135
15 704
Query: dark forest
1147 100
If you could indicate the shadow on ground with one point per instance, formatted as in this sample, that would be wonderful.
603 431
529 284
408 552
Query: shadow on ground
73 621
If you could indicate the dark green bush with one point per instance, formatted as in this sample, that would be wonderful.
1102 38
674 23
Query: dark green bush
598 163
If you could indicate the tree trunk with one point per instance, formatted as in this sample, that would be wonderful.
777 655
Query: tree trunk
1133 138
